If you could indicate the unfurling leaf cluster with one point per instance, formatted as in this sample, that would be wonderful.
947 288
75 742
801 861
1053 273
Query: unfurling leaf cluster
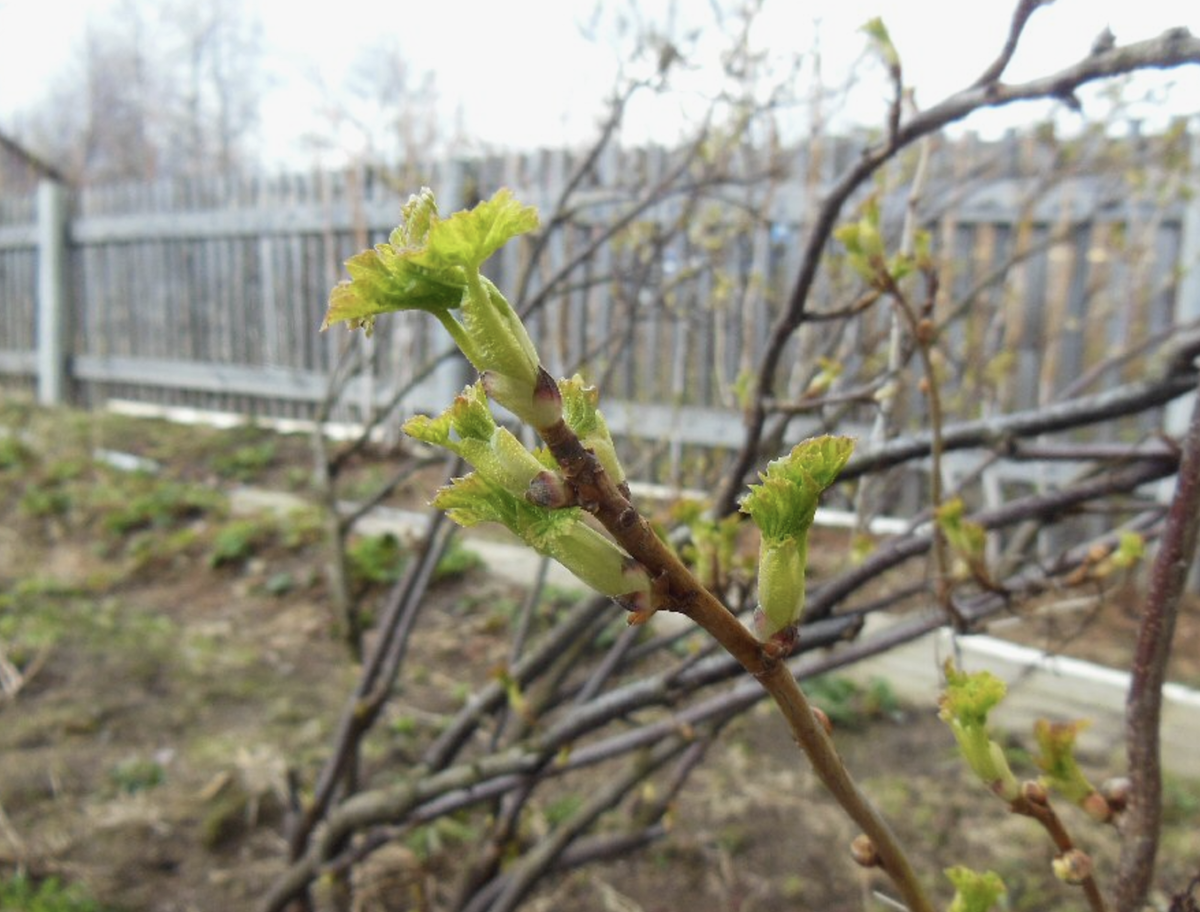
964 706
1060 769
974 892
522 491
866 251
783 506
968 539
712 549
581 412
432 264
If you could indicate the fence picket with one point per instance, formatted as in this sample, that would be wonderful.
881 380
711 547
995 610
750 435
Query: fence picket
228 276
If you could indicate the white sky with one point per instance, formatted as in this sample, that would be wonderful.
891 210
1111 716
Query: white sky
547 84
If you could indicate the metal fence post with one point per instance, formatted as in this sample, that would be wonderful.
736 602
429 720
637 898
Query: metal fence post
53 311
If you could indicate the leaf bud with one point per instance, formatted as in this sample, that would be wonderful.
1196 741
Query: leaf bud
1035 792
863 851
547 409
549 490
1096 806
1073 866
1116 793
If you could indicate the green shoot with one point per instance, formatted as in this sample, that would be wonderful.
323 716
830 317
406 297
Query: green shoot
965 705
974 892
783 507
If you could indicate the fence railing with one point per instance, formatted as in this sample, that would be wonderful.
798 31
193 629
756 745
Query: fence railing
209 293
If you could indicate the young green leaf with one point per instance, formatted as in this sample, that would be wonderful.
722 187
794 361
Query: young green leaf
468 429
1056 741
382 282
964 705
581 413
974 892
783 507
559 533
468 238
432 264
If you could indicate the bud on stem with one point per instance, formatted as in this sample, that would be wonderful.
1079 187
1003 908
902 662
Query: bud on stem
1073 867
863 851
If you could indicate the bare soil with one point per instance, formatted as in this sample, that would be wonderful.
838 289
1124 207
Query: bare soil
167 694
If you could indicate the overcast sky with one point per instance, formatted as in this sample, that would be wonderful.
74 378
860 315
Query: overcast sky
522 75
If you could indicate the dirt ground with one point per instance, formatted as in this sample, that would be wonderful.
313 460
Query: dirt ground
174 662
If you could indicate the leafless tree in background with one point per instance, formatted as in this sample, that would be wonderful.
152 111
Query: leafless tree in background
155 90
382 114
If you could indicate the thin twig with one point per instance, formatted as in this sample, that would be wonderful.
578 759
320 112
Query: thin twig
1020 18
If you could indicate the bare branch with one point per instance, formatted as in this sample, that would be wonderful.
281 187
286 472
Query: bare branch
1143 711
1171 49
1129 399
1025 9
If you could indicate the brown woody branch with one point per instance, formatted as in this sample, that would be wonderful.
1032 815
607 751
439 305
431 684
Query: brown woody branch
682 592
1143 710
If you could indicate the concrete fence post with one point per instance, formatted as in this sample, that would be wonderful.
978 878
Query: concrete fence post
53 309
1187 310
455 372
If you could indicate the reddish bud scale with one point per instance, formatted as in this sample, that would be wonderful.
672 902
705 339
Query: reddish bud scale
547 400
782 643
1097 807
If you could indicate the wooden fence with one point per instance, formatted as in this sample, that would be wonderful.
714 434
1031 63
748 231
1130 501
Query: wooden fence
208 293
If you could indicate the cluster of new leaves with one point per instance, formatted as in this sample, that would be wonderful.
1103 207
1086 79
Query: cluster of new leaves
866 253
965 705
432 264
712 547
967 539
521 491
